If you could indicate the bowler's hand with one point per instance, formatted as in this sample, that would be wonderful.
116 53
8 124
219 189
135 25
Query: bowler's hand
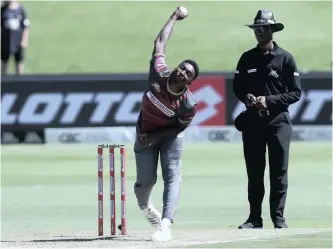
144 139
250 100
261 102
180 13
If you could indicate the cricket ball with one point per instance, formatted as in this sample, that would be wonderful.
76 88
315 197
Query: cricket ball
183 11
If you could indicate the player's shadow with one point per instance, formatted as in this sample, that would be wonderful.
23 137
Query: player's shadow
122 238
71 239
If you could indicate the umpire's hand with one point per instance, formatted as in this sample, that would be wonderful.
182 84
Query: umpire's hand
261 102
250 100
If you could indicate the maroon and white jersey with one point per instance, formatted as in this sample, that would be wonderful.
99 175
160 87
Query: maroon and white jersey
161 109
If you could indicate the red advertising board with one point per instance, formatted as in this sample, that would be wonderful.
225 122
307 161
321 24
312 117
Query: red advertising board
210 94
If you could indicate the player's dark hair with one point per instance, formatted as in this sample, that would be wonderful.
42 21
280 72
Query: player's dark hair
195 66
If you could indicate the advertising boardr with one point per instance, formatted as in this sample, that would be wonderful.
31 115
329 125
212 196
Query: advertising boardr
194 134
209 93
69 109
29 137
114 102
96 104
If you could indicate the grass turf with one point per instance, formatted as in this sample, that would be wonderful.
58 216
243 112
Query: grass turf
52 189
317 240
111 37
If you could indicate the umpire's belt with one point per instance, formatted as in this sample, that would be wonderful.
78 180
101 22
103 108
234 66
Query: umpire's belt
265 112
260 113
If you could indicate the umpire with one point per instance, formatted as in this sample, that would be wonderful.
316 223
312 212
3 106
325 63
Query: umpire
267 81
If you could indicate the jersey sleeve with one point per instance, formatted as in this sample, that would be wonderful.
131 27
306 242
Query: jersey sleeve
187 117
158 67
25 22
293 83
2 19
239 79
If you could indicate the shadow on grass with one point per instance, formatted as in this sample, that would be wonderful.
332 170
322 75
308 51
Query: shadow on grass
81 239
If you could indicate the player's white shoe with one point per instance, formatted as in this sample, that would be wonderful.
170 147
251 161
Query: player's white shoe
163 231
153 216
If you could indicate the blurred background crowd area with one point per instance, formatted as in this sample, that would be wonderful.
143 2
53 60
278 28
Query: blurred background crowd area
117 37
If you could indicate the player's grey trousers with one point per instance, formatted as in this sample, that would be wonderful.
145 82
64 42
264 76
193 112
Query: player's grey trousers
170 151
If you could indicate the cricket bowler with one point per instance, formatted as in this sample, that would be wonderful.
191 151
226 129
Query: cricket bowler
168 108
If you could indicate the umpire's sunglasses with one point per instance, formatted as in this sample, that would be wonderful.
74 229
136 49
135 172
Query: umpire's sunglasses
262 29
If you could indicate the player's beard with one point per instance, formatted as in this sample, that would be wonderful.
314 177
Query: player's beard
176 77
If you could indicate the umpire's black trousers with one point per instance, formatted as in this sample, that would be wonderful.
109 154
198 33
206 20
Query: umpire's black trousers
273 130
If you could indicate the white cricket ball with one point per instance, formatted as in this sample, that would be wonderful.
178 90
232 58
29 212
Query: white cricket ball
183 10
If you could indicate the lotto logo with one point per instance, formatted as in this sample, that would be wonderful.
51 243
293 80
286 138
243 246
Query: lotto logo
209 93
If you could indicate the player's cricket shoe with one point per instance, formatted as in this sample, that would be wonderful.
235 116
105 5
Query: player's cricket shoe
163 231
153 216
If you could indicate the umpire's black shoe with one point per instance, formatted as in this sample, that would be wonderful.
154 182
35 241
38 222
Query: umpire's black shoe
280 224
251 224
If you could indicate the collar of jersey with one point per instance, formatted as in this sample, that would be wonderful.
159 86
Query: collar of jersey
173 93
273 51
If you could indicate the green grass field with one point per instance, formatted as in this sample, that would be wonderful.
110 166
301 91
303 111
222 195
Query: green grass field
319 240
114 37
50 191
